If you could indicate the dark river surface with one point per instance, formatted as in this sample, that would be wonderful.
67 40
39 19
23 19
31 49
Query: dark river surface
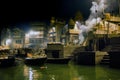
59 72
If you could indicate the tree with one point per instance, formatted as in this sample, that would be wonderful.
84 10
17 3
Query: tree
78 16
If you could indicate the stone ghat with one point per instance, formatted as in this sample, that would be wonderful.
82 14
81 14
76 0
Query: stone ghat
88 57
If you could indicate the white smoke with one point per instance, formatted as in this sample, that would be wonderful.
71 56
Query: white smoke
97 11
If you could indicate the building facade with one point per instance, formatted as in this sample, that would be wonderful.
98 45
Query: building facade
37 36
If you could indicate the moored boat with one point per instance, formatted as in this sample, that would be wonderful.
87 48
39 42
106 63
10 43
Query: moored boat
35 59
7 61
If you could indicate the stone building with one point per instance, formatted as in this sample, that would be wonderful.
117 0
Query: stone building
37 36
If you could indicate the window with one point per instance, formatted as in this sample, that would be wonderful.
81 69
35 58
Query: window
18 41
31 40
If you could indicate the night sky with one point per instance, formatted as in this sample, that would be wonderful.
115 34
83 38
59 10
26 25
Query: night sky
13 12
17 12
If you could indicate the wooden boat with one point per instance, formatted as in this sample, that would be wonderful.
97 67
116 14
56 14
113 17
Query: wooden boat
7 61
58 60
37 60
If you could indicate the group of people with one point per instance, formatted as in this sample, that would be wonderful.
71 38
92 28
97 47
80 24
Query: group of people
37 53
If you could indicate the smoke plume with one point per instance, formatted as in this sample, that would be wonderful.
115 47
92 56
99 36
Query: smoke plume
97 11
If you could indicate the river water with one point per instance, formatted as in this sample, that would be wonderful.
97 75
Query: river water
59 72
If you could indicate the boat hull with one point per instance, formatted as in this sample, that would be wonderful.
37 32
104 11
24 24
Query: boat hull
35 61
58 60
7 62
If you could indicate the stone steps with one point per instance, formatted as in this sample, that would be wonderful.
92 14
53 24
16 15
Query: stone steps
105 60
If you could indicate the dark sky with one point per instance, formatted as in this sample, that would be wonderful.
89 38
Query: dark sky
13 12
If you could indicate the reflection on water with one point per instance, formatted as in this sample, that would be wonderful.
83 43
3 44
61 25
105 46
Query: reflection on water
30 74
59 72
104 73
